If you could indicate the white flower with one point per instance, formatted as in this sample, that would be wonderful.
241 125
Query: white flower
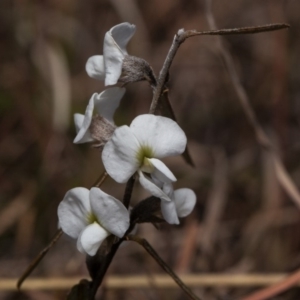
105 104
139 147
91 216
182 203
108 66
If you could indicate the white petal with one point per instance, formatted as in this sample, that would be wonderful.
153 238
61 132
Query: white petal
114 50
151 187
161 172
95 67
73 211
168 189
169 213
119 154
83 133
162 134
91 238
110 212
122 33
158 182
108 101
78 120
185 200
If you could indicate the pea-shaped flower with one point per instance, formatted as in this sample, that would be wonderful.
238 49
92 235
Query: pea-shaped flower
108 66
139 148
182 203
100 127
90 216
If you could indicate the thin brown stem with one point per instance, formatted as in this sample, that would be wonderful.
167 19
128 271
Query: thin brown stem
57 236
37 260
101 179
164 73
182 35
166 268
241 30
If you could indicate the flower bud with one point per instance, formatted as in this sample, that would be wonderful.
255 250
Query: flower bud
101 130
136 69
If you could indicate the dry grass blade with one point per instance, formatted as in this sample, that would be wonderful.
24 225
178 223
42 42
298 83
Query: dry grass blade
281 173
61 87
275 289
50 58
37 260
281 281
285 180
188 248
164 266
216 201
17 207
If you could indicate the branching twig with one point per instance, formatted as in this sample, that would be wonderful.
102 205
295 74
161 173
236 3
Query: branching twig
154 254
37 260
57 236
182 35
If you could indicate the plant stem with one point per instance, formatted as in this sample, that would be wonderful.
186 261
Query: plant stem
154 254
101 179
104 267
164 73
57 236
182 35
128 191
37 260
109 257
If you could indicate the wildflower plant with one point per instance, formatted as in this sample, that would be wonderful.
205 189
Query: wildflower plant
98 221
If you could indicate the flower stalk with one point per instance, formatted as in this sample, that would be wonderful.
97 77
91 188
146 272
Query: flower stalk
165 267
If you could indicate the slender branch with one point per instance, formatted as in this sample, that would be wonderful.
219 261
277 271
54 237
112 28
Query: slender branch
182 35
37 260
164 73
100 180
154 254
57 236
241 30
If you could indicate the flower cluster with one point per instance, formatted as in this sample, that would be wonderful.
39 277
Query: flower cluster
91 216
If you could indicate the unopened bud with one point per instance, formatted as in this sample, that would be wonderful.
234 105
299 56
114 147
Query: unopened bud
136 69
101 130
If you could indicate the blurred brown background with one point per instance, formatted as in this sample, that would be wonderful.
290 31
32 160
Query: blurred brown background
243 221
